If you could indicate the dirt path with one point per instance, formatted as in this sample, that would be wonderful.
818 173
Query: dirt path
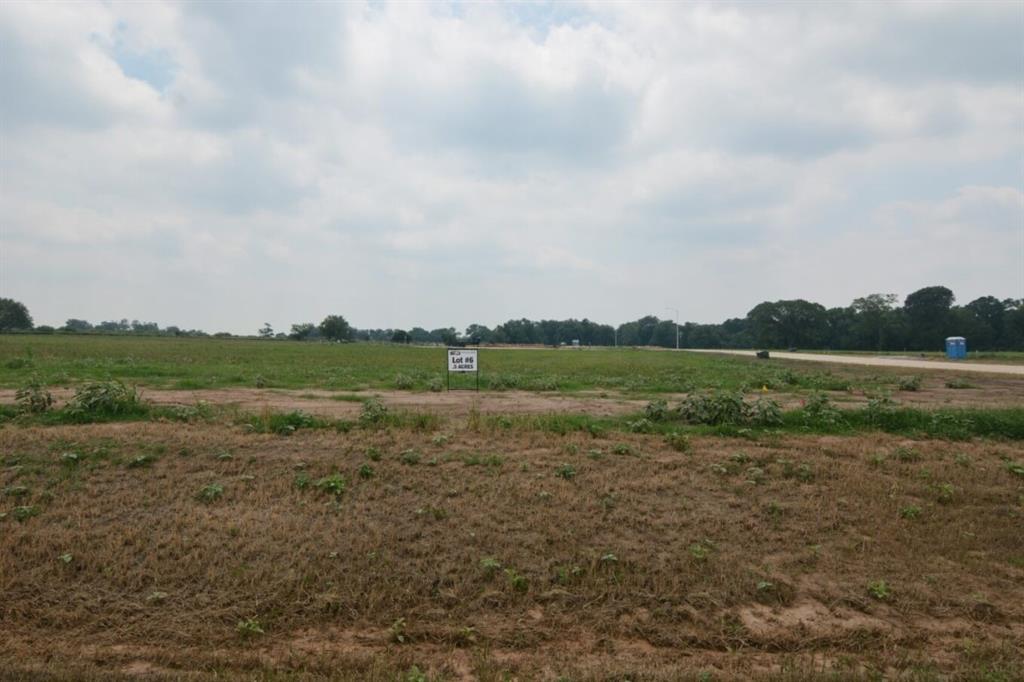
908 363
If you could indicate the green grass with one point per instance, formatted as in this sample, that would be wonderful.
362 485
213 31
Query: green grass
198 363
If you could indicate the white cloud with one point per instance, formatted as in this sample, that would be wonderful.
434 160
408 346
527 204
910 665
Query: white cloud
218 166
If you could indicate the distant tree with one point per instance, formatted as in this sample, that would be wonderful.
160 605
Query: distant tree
336 328
266 331
173 331
74 325
303 331
928 315
419 335
145 327
13 315
783 324
400 336
874 318
445 335
478 333
43 329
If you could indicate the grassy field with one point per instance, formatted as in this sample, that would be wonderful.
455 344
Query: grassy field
191 363
708 537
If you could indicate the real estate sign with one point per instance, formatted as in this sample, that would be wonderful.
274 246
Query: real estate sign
462 360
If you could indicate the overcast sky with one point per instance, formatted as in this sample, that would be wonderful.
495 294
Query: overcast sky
219 165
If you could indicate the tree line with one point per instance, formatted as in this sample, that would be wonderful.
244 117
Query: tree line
876 322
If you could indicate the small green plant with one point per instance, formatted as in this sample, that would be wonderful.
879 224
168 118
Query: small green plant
33 398
698 551
565 471
944 493
404 382
880 590
24 512
958 384
622 449
139 461
906 454
818 409
210 493
334 484
410 457
366 472
490 566
962 459
608 559
764 412
70 458
436 385
910 512
373 454
66 558
1015 468
396 633
249 628
642 425
260 381
679 442
911 383
301 481
16 491
517 581
414 674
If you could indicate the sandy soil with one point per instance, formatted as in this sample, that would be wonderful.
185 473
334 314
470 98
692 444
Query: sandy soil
898 362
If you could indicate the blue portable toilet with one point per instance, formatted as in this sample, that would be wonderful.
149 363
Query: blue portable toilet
956 348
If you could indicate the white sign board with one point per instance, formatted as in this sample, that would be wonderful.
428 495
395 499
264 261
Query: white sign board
462 360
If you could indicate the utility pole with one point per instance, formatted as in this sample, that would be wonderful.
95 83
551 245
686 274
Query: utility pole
676 310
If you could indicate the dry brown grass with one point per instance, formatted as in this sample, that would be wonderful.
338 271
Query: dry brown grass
650 565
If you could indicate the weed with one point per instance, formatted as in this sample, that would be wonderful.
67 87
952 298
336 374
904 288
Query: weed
679 442
66 558
906 454
565 471
140 461
517 581
16 491
962 459
404 382
490 566
33 398
105 399
248 628
439 440
70 458
608 559
910 512
715 409
366 471
157 597
435 385
818 409
25 512
764 412
880 590
595 454
755 475
656 411
958 384
374 413
642 425
622 449
414 674
334 484
436 513
373 454
210 493
1015 468
224 457
911 383
410 457
699 551
465 636
259 381
944 493
396 633
301 481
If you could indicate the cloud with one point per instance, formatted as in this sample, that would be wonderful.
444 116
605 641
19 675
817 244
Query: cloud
218 165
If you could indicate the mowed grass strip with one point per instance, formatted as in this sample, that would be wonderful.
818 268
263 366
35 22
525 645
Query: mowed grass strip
497 550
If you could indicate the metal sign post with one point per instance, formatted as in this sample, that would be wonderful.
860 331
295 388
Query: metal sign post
462 361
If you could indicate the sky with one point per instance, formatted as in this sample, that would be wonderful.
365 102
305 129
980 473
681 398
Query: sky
220 165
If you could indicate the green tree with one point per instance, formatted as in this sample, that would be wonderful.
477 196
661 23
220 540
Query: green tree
74 325
400 336
784 324
874 318
928 314
266 331
336 328
303 331
13 315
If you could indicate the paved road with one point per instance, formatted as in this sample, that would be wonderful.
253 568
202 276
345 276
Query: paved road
881 361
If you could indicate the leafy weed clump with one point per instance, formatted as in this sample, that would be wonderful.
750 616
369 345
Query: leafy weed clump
210 493
33 398
105 399
729 409
334 484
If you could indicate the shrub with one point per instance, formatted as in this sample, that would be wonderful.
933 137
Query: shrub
715 409
911 383
656 410
436 385
765 412
210 493
566 471
403 382
104 399
642 425
33 398
374 412
818 409
679 442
